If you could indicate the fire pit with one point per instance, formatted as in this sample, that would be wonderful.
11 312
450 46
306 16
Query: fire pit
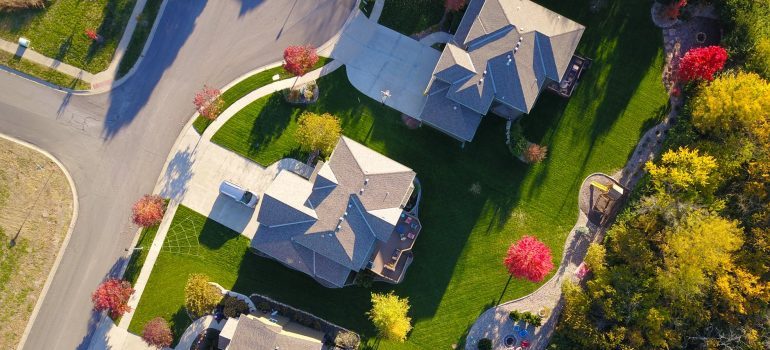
509 341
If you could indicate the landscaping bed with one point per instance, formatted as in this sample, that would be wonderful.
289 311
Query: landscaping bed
476 200
59 30
35 213
244 87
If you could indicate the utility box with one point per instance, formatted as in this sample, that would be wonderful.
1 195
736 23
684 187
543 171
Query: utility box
24 42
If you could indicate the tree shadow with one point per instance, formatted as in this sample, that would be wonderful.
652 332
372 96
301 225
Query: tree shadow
249 5
115 18
270 123
115 271
177 175
171 34
64 47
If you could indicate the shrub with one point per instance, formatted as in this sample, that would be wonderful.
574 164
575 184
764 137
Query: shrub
298 60
148 211
234 307
516 141
535 153
701 63
485 344
157 333
515 316
200 296
346 340
263 306
208 102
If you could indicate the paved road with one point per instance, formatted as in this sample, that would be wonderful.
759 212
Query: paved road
114 144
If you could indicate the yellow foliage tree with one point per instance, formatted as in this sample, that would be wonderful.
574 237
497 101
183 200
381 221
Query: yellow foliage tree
683 170
200 297
733 102
318 132
698 247
389 315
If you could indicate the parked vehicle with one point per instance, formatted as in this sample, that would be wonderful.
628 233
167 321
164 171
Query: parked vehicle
241 195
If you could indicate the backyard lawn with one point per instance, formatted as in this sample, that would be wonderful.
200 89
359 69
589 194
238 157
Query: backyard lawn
458 271
58 31
256 81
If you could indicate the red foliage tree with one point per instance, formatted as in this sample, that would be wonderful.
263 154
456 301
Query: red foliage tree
112 295
298 60
702 63
157 333
208 102
148 210
675 9
529 258
454 5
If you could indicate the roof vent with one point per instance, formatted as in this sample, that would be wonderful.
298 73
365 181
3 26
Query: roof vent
509 61
454 107
361 191
366 181
346 214
339 227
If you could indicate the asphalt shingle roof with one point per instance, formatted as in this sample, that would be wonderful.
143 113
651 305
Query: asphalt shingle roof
253 334
354 201
513 45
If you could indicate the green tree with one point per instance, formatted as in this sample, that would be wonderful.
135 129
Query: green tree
389 315
200 296
318 132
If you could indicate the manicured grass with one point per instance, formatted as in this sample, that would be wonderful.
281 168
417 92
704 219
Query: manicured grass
411 16
58 30
139 38
457 272
42 72
256 81
137 258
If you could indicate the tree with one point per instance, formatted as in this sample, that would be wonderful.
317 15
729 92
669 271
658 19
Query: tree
484 344
346 340
157 333
698 247
389 315
148 211
529 258
733 102
200 297
454 5
535 153
318 133
683 171
112 295
701 63
208 102
298 60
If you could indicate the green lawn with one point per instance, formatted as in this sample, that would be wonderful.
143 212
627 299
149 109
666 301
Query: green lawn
458 271
256 81
411 16
58 31
42 72
139 255
139 38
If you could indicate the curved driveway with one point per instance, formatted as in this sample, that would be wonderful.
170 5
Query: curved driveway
114 144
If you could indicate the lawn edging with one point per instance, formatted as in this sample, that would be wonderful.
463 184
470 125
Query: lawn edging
65 242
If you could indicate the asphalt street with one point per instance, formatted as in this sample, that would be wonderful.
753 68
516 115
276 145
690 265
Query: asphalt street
114 144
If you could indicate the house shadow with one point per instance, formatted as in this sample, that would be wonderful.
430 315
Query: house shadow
217 233
127 100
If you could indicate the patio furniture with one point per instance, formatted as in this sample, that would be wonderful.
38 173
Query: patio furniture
396 254
509 341
516 328
410 235
524 344
408 220
523 334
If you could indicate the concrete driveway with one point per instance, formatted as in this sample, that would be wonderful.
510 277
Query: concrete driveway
195 172
379 59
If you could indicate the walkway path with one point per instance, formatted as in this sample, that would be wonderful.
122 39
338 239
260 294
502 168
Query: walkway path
102 79
494 323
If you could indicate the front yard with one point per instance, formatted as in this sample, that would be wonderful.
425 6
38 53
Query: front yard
458 271
58 31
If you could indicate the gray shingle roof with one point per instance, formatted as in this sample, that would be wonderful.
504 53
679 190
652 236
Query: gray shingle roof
355 201
513 45
253 334
449 116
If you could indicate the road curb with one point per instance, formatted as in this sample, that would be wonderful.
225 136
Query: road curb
65 242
